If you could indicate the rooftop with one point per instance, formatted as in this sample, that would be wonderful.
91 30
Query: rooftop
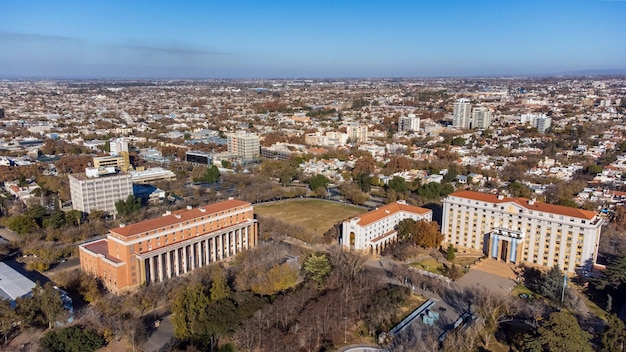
177 217
387 210
527 203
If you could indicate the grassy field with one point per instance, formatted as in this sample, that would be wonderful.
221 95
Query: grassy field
314 214
429 264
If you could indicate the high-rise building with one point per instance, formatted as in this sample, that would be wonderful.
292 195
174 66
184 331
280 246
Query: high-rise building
246 145
374 230
462 114
357 133
481 118
99 189
543 123
520 230
157 249
409 123
119 147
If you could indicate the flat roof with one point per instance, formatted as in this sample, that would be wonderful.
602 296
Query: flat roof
13 284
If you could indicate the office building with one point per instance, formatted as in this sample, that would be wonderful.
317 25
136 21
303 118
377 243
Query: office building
520 230
198 158
461 117
543 123
357 133
373 230
408 123
99 189
246 145
171 245
481 118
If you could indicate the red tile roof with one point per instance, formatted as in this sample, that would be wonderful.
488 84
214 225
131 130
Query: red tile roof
537 206
101 247
389 209
172 219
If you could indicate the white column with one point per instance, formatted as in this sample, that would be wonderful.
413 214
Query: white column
207 244
214 256
160 268
199 253
192 256
177 261
246 238
169 264
220 247
153 274
185 259
228 244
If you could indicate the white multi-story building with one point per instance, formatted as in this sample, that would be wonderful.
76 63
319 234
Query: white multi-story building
118 145
373 230
246 145
521 230
481 118
357 133
543 123
409 123
462 115
99 189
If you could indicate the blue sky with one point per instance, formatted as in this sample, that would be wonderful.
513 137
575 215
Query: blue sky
301 38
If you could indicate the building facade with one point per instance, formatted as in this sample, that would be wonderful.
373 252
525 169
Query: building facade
409 123
99 189
178 242
373 230
462 114
520 230
481 118
357 133
244 144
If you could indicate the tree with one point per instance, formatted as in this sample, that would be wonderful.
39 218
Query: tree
72 339
458 141
317 267
189 308
552 283
205 174
44 307
364 181
128 206
219 286
560 332
494 309
8 319
398 184
421 233
614 335
450 254
318 181
21 224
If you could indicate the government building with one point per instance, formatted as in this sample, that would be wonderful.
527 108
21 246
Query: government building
374 230
520 230
179 241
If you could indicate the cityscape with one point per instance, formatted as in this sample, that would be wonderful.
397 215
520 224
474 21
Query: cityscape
319 177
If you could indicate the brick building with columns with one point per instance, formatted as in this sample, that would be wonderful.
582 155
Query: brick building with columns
171 245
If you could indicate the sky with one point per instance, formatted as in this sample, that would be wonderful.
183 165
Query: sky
309 39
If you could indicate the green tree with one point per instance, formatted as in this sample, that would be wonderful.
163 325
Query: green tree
560 332
552 283
450 253
128 206
364 181
189 315
398 184
458 141
614 335
21 224
72 339
74 217
219 287
318 181
317 267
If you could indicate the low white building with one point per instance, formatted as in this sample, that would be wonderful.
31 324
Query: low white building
373 230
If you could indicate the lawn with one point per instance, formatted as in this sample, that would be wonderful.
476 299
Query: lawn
313 214
430 265
463 261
